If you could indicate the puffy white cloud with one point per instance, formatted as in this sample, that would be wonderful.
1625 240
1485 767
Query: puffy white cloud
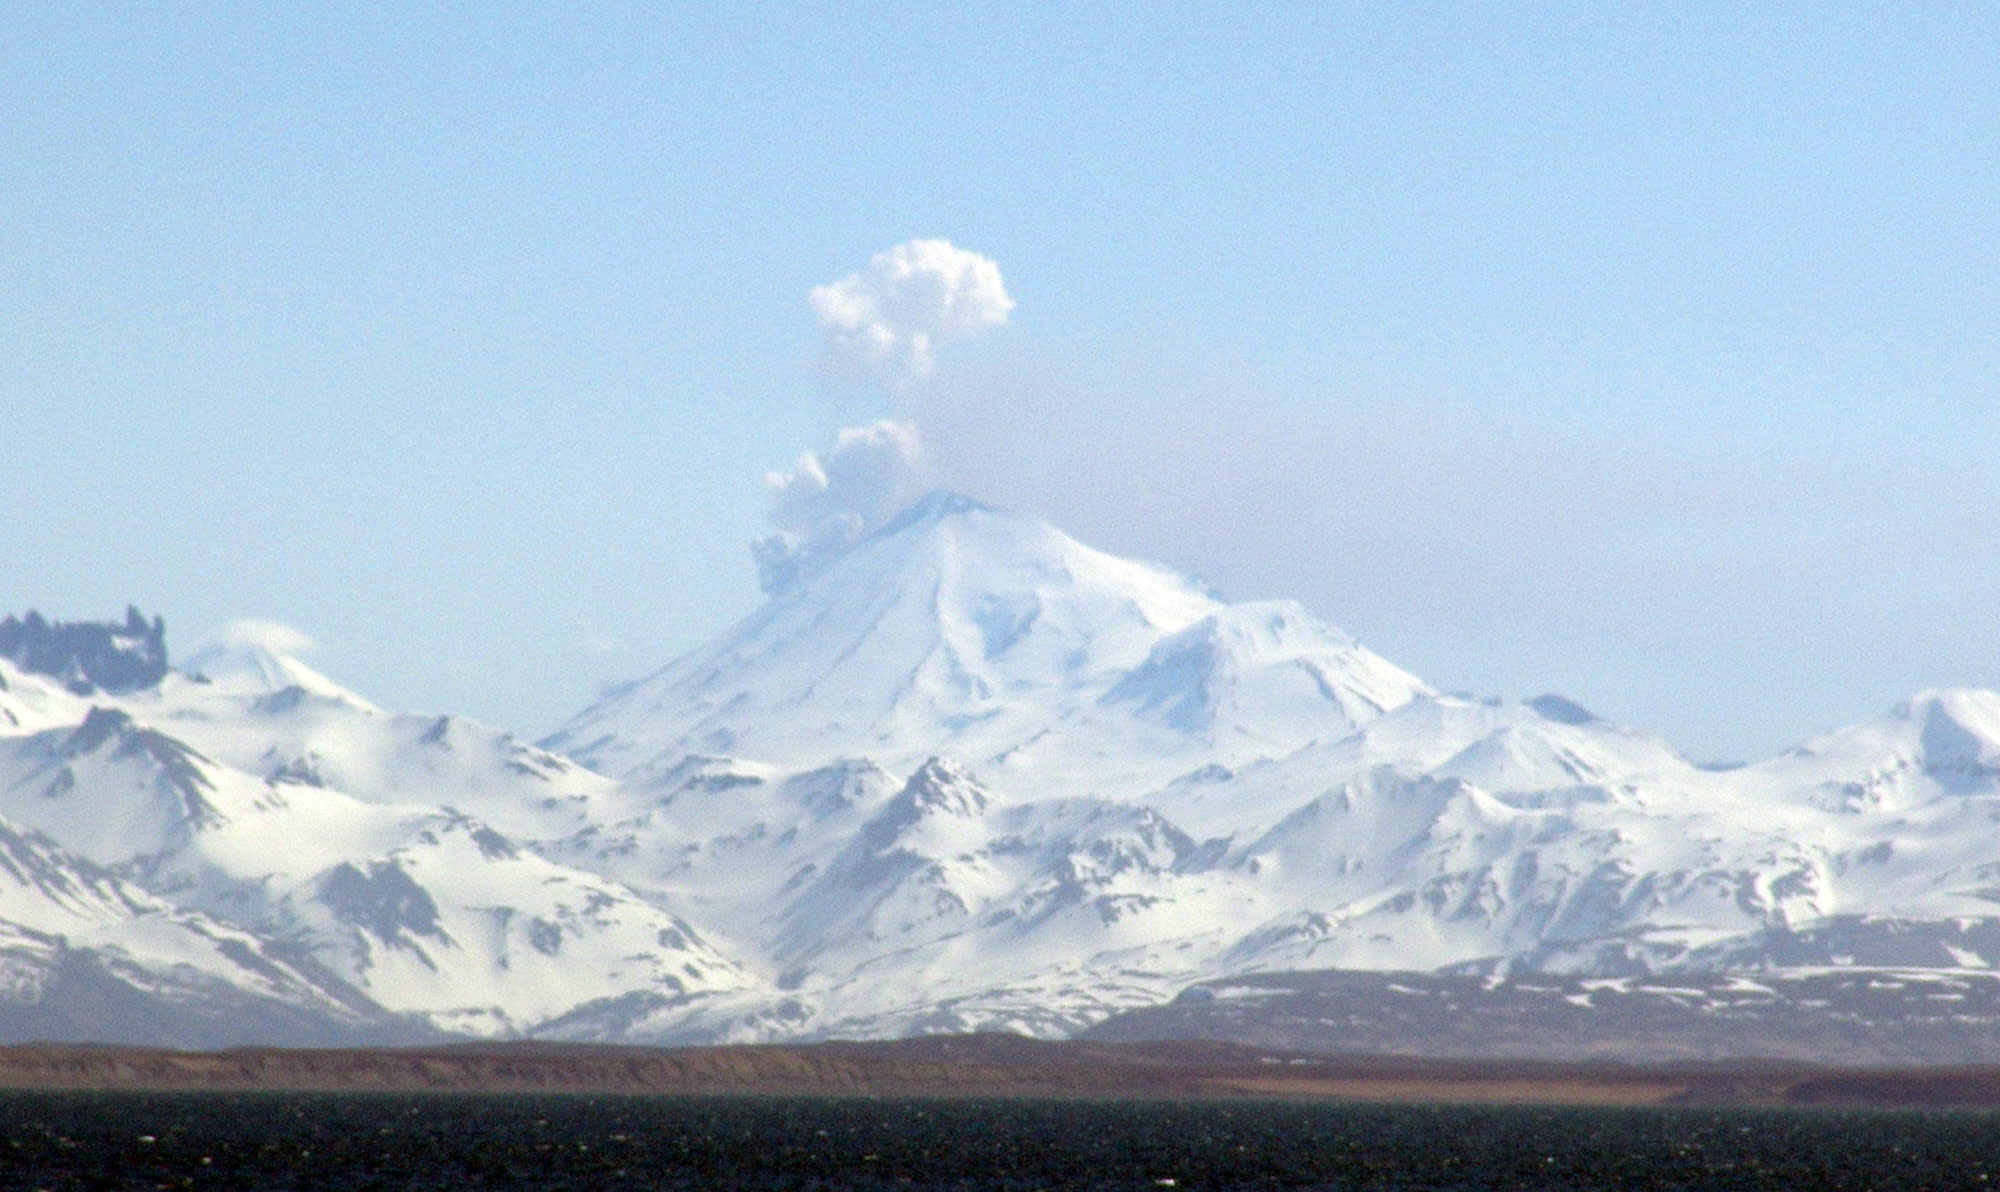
886 323
830 501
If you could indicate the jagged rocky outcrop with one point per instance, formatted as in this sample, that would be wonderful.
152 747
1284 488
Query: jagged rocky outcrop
89 655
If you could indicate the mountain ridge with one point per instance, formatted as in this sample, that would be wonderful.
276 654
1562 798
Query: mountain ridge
969 774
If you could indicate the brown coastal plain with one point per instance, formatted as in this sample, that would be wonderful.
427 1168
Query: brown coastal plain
983 1066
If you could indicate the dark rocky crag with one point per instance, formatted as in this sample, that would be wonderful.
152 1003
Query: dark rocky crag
89 656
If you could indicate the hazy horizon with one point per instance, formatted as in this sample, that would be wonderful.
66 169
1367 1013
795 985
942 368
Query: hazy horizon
1642 356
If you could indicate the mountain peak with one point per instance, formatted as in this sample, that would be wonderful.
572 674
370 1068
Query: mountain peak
935 505
790 559
933 807
994 635
1561 709
951 616
944 786
1960 729
1265 663
258 658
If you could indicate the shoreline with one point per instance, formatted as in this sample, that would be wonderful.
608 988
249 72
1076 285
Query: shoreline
978 1066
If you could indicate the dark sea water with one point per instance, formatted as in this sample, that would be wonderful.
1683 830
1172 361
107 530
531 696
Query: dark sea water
280 1141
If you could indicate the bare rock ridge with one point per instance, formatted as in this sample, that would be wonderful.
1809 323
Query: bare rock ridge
964 774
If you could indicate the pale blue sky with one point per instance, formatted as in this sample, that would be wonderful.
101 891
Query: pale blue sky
1644 353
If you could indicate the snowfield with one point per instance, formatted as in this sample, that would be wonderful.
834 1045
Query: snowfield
969 774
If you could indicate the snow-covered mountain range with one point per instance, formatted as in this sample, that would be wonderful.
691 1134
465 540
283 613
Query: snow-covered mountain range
967 774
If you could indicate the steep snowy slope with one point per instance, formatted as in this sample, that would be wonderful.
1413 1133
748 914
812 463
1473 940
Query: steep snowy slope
1939 743
994 637
1445 829
415 903
31 702
253 663
1063 684
86 955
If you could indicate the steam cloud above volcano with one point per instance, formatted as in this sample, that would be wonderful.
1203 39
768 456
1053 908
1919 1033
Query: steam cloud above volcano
884 324
827 502
880 326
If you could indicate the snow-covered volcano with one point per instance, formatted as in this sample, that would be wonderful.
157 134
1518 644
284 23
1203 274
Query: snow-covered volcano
1170 785
967 773
998 639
